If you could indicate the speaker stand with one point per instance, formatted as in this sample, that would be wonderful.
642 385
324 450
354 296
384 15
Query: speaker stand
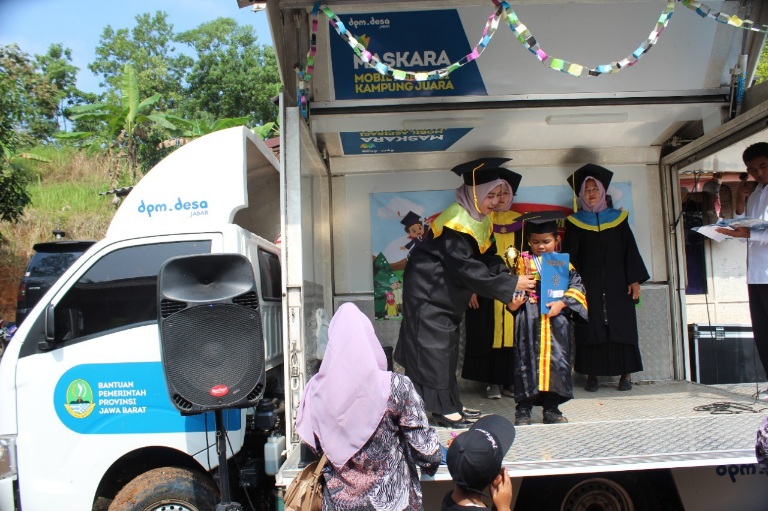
221 447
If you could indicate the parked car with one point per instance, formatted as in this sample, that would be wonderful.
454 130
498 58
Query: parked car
50 260
6 332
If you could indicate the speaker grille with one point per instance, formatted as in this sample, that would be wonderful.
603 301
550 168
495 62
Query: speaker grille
168 307
249 300
212 345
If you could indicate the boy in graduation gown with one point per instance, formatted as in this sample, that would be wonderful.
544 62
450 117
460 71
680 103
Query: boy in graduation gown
543 342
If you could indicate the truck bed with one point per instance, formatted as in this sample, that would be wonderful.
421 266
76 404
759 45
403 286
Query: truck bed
655 425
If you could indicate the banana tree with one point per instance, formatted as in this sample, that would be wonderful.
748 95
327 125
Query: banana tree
187 130
125 124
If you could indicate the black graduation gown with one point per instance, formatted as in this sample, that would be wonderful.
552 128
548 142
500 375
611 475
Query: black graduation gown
489 350
543 353
606 256
439 279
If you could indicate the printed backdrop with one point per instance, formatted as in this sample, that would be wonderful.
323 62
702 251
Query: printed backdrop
392 240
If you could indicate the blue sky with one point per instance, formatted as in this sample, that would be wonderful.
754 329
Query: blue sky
77 24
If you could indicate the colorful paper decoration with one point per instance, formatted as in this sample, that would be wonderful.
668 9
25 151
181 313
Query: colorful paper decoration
373 61
732 20
523 35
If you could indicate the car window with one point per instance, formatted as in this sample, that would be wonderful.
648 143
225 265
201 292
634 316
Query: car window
51 264
269 271
119 290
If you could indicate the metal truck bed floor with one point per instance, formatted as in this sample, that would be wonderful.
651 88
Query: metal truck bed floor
655 425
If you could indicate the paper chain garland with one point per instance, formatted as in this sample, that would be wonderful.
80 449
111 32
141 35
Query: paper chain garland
733 20
524 36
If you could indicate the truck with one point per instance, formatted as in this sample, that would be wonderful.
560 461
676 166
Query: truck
382 99
366 133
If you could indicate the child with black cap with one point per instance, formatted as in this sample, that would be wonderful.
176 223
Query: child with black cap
543 342
474 460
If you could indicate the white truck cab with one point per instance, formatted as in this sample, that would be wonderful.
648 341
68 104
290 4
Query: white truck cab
85 407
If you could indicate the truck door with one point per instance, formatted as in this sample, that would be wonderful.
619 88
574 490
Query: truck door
718 151
90 384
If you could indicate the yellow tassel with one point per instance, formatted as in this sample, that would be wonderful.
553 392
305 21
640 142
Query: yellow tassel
575 204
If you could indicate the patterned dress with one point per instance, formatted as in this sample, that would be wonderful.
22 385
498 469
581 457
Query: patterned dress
382 475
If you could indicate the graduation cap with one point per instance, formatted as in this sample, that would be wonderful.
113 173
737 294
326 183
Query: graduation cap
589 170
410 218
483 170
541 222
513 178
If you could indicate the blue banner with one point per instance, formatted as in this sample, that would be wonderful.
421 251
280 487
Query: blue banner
410 41
401 141
131 397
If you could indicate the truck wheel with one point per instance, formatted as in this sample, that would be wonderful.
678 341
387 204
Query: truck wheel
597 494
166 489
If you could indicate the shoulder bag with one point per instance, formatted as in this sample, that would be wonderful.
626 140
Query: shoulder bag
305 493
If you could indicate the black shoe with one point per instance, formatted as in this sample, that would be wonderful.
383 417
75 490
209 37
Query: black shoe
554 416
469 413
455 424
591 385
523 417
625 384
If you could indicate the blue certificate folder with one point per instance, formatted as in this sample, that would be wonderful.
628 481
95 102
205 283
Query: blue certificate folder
555 276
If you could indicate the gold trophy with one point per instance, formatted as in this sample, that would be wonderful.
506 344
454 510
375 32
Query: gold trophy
510 258
518 264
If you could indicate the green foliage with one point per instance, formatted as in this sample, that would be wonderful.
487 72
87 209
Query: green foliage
149 48
761 74
56 66
126 124
25 113
29 99
233 76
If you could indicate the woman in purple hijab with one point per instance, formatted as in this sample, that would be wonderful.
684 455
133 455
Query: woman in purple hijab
369 422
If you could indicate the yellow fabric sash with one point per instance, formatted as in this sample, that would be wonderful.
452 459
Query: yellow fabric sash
455 217
503 326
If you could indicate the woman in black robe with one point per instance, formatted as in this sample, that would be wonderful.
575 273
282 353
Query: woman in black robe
456 260
490 325
604 252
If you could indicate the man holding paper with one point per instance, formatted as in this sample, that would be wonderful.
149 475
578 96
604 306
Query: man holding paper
756 207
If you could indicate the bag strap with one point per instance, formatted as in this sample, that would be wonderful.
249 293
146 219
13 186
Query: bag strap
320 466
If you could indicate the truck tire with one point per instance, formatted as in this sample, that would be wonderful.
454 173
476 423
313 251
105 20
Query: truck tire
167 489
598 494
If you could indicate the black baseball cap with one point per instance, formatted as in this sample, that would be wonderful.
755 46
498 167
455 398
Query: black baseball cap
475 456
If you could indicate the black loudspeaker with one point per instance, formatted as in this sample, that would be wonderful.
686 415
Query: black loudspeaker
210 332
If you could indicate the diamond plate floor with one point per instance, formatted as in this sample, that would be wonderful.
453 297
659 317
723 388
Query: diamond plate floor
655 425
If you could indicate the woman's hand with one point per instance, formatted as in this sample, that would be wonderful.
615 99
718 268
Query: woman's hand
634 290
517 300
555 308
525 283
501 492
473 303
